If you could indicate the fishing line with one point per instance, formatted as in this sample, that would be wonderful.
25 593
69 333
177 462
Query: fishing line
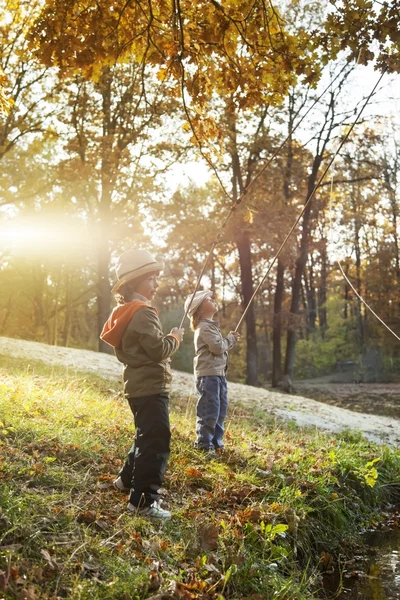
341 268
365 303
238 201
310 197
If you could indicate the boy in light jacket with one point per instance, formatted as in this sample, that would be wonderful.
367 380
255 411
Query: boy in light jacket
210 366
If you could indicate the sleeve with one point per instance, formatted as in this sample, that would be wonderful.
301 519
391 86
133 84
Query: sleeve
156 345
213 339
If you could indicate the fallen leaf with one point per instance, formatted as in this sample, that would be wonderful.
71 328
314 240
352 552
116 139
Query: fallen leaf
88 567
89 516
192 472
101 524
28 594
38 573
51 562
209 535
155 581
3 580
11 547
161 597
326 562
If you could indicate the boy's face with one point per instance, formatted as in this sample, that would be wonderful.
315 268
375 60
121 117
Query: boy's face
148 286
208 307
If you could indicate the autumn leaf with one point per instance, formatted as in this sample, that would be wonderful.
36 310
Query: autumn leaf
3 580
209 535
193 472
89 516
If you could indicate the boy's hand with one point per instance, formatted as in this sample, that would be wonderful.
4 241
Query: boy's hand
236 335
179 333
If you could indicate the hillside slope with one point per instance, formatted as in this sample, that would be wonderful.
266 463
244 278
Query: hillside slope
303 411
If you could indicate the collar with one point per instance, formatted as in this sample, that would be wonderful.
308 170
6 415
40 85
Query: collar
136 296
213 321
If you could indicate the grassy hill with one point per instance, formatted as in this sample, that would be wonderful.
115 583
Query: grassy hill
263 522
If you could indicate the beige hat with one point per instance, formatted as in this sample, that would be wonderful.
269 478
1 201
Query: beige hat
197 300
134 263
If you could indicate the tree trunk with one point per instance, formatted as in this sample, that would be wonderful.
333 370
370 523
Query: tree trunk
322 314
38 299
56 303
67 317
298 274
246 276
277 325
6 314
103 294
311 297
280 274
346 294
265 362
107 179
304 331
357 249
244 249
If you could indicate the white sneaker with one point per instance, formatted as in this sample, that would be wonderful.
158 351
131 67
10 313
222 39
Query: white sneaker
117 483
154 511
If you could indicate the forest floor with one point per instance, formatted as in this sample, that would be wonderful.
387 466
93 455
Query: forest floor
275 517
369 398
330 413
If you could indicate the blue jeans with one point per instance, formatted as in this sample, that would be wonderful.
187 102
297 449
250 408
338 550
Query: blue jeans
211 411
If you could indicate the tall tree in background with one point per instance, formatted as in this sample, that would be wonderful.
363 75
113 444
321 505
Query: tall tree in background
29 83
111 131
323 137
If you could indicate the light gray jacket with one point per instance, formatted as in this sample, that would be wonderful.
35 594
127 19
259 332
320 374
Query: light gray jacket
211 349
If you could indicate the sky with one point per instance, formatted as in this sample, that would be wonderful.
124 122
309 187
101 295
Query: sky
385 103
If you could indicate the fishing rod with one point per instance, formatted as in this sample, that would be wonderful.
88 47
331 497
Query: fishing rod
310 197
245 192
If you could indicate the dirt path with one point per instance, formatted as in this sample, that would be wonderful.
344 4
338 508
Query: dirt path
304 411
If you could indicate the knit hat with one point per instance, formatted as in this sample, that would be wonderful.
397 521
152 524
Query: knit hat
197 300
132 264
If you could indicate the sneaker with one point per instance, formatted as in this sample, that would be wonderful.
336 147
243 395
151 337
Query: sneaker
154 511
210 454
118 484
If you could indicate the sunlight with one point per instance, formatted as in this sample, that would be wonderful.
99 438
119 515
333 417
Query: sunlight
44 237
20 235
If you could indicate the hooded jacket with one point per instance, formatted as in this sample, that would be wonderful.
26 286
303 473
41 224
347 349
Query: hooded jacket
134 330
211 349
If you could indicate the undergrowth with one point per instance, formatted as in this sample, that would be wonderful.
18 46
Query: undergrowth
262 522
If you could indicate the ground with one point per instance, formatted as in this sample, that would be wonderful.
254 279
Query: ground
275 516
371 398
303 411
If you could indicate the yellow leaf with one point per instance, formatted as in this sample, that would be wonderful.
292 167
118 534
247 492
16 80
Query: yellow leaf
162 74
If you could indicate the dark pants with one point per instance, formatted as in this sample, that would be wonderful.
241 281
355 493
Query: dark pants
146 463
211 411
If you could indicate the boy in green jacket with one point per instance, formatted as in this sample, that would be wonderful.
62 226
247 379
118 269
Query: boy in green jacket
134 330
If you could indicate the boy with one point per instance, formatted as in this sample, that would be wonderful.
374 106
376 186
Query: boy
134 330
210 366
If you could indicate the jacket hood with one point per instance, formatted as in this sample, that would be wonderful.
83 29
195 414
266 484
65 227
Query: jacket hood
118 321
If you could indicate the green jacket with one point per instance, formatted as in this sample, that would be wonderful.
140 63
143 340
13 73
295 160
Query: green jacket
142 348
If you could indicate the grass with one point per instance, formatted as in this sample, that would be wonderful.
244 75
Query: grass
261 523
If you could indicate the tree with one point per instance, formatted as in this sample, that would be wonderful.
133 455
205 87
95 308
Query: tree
110 124
323 136
368 29
27 106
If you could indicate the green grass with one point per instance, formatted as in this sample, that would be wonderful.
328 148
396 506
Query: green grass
253 525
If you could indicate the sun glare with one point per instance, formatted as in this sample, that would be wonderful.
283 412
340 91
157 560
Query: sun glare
14 237
47 238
